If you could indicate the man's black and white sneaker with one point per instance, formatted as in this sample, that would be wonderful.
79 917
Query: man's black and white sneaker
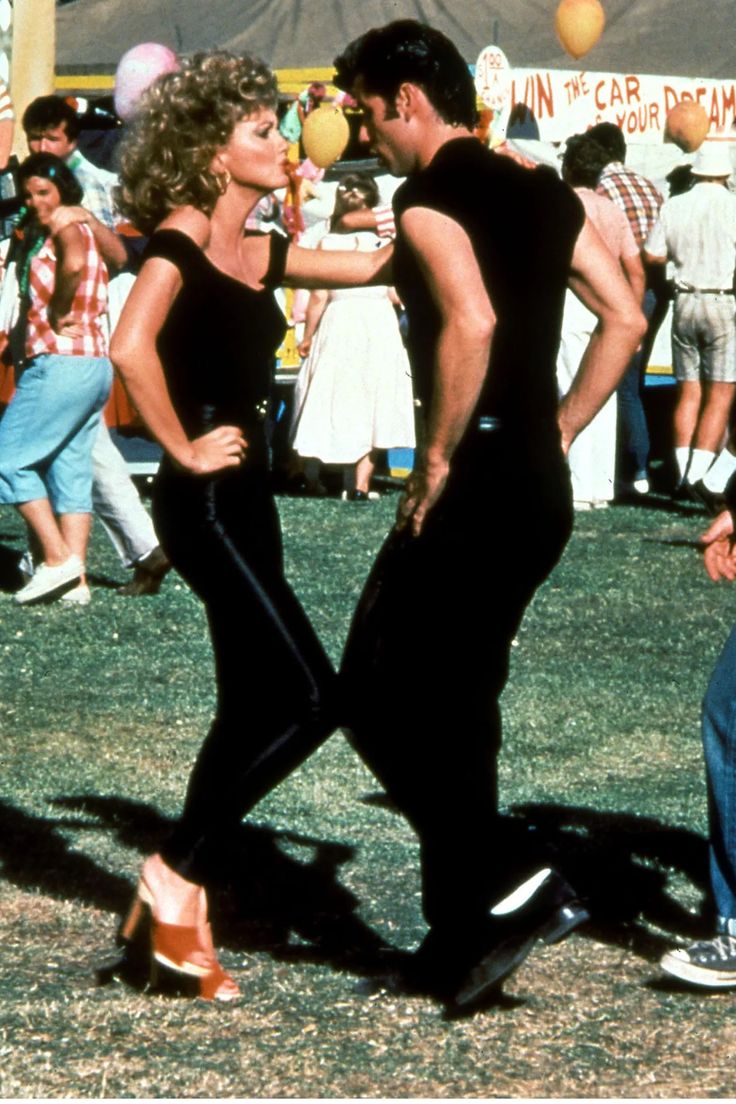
710 963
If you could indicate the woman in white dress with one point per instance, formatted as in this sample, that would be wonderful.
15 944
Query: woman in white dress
353 395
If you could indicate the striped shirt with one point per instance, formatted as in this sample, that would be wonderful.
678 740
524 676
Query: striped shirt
88 306
97 185
635 195
385 225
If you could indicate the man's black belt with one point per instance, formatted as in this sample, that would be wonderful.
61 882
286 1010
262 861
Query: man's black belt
679 290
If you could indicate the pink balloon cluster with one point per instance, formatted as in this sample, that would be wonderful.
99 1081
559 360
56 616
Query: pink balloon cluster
137 69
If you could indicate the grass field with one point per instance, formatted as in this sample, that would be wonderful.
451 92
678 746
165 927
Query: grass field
102 712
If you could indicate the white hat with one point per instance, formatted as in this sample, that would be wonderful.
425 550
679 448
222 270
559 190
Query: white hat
713 159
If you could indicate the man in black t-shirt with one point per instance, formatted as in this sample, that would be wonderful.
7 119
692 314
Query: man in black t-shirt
484 252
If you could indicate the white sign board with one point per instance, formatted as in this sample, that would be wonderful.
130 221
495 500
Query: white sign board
565 102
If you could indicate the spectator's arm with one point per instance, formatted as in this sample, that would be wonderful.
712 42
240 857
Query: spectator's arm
364 219
597 279
315 309
113 252
6 141
70 260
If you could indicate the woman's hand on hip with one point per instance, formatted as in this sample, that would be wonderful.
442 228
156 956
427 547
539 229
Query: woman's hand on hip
221 448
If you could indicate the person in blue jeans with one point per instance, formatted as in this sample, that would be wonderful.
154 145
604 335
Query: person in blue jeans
711 963
63 381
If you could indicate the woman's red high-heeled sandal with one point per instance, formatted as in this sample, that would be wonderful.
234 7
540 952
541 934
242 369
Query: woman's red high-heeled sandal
172 946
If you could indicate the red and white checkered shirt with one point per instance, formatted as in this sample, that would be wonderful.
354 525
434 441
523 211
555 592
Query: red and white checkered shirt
385 225
635 195
6 104
88 307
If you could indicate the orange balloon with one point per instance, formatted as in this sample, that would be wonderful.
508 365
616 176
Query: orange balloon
325 135
579 25
687 125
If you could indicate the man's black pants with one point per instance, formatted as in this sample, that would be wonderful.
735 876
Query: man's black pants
427 658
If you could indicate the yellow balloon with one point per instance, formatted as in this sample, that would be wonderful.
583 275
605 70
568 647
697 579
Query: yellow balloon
687 125
325 135
579 25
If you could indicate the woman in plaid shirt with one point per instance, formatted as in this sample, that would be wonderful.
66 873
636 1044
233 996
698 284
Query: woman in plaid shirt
64 379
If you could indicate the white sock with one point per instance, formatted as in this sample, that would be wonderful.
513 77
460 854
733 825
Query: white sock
682 457
720 471
700 461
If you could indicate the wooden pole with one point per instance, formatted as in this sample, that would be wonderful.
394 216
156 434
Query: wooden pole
34 58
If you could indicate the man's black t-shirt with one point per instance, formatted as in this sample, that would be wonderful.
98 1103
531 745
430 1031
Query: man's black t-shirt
523 225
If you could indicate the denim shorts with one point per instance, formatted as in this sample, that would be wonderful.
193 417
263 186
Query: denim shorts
704 337
48 430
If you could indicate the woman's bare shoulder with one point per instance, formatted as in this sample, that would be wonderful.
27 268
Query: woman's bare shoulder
188 220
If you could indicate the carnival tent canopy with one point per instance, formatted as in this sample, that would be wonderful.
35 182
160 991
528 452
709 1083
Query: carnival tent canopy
678 37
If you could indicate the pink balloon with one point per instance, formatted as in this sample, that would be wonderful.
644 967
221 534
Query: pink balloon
137 69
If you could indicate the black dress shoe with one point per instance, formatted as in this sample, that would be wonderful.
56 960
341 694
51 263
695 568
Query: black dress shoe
713 501
148 575
470 967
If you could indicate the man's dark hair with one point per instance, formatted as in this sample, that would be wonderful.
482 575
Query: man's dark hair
48 112
50 167
583 160
406 50
611 138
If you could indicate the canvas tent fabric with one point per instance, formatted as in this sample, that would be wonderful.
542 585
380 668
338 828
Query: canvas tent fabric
645 36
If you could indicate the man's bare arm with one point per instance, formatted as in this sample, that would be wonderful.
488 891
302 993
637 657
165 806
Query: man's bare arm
448 262
633 270
597 279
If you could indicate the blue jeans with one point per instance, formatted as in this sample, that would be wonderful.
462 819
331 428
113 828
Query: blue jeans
633 432
48 430
719 747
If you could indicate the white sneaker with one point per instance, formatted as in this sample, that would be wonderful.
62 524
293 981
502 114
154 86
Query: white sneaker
48 579
79 596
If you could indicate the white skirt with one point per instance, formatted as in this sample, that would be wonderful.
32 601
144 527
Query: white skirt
354 392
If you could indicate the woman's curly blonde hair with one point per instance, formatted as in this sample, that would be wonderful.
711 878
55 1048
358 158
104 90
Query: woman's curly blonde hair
182 120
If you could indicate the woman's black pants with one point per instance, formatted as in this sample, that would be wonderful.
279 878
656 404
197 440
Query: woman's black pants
275 685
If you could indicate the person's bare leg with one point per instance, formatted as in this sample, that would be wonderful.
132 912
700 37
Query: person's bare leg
75 529
40 519
686 412
711 426
364 472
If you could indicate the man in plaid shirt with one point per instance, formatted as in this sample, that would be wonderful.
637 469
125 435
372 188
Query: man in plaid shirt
640 201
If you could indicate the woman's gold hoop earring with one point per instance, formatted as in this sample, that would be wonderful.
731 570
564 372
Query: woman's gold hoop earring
223 179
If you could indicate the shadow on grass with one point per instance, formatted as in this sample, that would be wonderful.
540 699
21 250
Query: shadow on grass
10 576
661 504
277 891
